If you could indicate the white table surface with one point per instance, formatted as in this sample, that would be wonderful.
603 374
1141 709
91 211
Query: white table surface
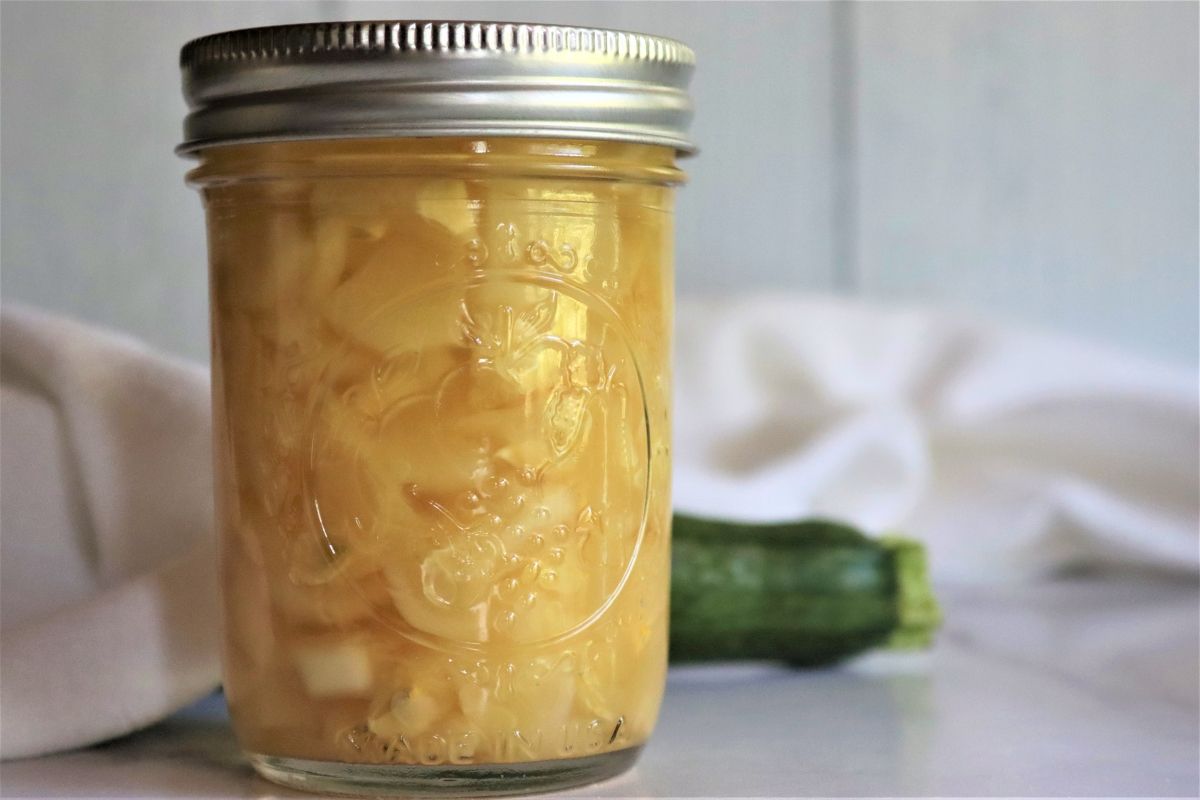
1080 687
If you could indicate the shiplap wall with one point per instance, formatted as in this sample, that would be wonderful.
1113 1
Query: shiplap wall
1032 161
1035 160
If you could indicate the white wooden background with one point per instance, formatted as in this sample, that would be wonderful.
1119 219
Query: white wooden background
1029 161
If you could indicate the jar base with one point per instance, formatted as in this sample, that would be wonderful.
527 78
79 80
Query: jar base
414 780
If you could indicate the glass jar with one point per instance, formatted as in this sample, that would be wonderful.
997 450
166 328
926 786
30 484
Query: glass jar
441 396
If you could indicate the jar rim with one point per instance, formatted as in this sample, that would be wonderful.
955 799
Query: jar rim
466 158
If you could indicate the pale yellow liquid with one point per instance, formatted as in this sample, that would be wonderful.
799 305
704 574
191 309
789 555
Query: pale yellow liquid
441 395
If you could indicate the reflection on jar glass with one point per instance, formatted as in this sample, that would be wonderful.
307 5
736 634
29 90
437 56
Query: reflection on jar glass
441 402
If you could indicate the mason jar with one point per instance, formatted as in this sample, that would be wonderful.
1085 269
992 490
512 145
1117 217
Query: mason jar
441 297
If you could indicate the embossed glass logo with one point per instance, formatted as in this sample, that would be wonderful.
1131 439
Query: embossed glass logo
484 450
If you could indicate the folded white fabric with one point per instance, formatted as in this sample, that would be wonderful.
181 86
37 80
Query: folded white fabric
1012 454
108 612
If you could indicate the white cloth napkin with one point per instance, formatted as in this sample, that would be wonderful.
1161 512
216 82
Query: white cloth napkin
108 602
1012 454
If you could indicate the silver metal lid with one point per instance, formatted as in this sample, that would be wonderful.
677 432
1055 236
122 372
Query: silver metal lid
385 79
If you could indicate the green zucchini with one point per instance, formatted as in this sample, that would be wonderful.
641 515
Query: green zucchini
810 593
